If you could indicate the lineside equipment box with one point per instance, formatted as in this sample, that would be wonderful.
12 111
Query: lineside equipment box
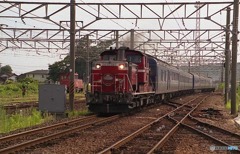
52 98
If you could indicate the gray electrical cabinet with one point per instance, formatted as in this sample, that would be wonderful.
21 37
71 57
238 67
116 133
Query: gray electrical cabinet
52 98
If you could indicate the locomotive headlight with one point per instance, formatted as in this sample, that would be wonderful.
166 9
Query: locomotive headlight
121 66
98 66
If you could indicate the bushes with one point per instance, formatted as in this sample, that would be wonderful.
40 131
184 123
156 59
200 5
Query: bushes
9 90
228 105
15 89
76 113
221 86
21 120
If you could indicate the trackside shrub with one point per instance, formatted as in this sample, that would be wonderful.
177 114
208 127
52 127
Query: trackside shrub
21 120
76 113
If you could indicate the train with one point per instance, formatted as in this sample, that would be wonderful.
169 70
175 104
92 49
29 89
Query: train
65 80
124 79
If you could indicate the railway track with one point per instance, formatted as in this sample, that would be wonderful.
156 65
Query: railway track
10 144
20 105
222 136
32 134
12 108
156 133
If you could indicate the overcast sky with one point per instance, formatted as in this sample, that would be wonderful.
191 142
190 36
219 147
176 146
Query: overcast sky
23 61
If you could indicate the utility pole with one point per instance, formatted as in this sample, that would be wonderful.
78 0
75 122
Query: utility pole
189 67
88 60
116 38
234 56
72 53
197 34
222 70
227 55
132 39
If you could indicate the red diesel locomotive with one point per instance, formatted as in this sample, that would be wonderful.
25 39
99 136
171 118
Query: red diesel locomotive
124 79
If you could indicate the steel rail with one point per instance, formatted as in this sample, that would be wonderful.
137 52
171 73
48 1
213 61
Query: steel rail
24 145
177 104
203 133
139 131
221 141
14 136
174 129
209 136
215 127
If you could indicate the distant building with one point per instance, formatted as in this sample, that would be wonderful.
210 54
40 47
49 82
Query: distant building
2 80
39 75
13 77
5 77
21 76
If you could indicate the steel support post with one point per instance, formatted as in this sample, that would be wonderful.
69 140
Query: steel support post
117 39
72 53
189 67
88 60
132 39
227 55
234 56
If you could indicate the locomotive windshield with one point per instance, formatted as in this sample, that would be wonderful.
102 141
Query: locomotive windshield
129 56
134 58
109 57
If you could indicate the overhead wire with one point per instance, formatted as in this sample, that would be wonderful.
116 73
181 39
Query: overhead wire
29 25
54 24
178 22
29 13
112 19
31 19
103 15
124 19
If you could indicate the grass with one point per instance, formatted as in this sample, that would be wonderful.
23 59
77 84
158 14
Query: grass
12 93
221 86
10 99
21 120
76 113
228 105
4 100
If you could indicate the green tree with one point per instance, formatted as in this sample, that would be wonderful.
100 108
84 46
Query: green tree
82 58
6 69
85 56
56 69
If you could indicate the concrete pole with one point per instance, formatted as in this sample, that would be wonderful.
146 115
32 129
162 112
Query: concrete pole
222 71
72 53
132 39
189 67
116 38
227 55
234 56
88 60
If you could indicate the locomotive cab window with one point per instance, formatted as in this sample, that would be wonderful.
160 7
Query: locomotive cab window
109 57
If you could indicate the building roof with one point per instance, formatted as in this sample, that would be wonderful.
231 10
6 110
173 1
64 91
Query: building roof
13 74
2 80
38 72
4 76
